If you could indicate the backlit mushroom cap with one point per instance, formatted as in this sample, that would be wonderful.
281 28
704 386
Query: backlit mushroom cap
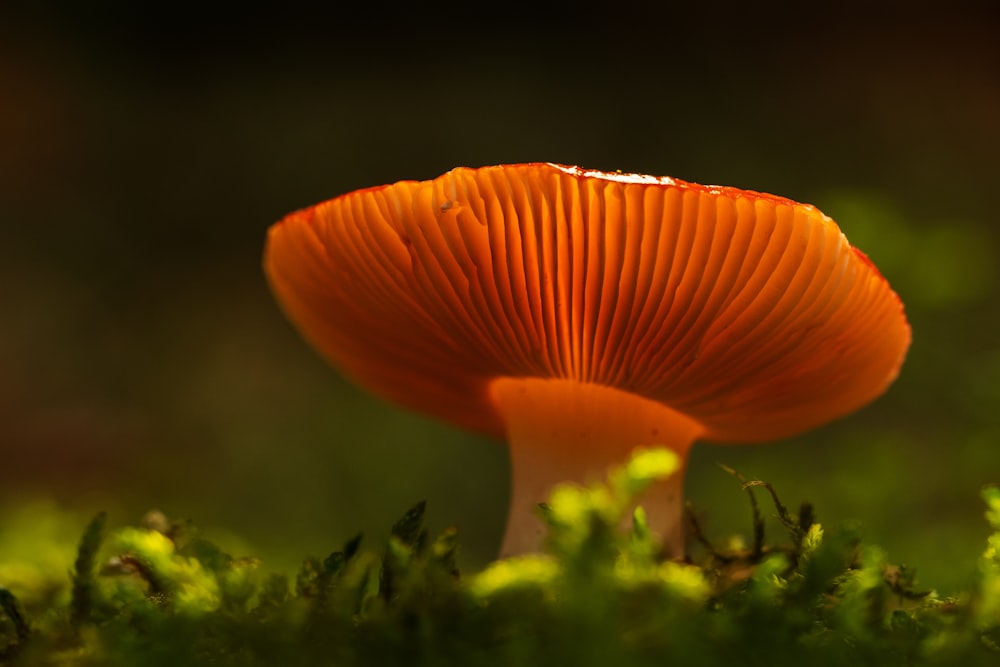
737 316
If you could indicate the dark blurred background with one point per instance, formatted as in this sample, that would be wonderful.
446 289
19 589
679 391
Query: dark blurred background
146 147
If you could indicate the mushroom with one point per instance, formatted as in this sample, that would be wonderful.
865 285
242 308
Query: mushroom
579 315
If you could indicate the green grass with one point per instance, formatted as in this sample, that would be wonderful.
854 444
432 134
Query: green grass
159 594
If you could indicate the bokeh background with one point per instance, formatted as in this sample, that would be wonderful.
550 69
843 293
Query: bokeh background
146 147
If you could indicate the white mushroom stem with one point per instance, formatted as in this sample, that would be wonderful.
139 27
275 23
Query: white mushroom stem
568 431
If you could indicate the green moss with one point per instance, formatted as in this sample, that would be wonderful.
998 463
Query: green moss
601 595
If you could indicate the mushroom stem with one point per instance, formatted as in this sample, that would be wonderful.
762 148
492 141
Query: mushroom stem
570 431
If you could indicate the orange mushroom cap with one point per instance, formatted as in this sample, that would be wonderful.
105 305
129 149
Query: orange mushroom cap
749 314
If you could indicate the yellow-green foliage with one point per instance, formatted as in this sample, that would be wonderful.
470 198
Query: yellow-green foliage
190 587
601 595
989 608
